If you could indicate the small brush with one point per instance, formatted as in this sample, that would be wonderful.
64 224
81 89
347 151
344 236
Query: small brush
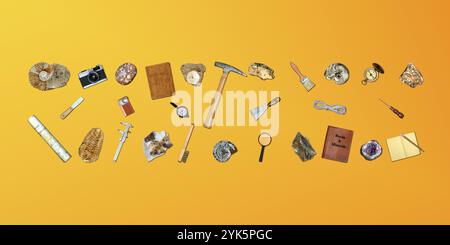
184 152
305 81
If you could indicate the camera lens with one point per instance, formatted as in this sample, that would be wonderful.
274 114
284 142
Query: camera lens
93 77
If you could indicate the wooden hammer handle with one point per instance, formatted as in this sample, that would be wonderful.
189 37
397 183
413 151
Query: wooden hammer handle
215 102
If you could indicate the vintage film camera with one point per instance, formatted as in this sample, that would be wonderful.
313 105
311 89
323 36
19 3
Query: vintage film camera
93 76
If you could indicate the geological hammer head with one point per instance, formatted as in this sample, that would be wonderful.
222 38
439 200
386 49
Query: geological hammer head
227 68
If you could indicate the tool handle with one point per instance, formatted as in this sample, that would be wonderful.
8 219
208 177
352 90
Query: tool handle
186 142
274 101
66 113
261 154
295 68
397 112
174 105
215 102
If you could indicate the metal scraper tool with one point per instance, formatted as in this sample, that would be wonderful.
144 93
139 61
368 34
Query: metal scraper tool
259 111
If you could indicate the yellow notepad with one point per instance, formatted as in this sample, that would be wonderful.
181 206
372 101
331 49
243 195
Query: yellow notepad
400 148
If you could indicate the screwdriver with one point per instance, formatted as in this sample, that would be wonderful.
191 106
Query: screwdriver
397 112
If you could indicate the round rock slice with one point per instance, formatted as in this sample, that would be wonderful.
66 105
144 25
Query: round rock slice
44 76
371 150
89 150
126 73
223 150
193 73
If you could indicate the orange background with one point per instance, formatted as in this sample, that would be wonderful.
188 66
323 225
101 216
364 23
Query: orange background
36 188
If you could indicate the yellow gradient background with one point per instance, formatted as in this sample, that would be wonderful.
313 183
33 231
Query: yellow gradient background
37 188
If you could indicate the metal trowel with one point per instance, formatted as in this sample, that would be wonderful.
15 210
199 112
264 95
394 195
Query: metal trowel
260 110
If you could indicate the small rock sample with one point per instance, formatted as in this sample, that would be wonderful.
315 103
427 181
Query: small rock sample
338 72
156 144
193 73
223 150
262 71
44 76
89 150
371 150
411 76
303 148
126 73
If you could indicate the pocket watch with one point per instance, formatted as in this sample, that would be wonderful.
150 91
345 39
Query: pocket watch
182 111
372 74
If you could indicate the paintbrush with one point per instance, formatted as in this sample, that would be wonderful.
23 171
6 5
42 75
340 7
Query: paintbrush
306 82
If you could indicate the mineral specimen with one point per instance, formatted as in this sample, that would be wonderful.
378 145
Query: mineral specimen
89 150
156 144
193 73
371 150
411 76
44 76
223 150
303 148
126 73
262 71
337 72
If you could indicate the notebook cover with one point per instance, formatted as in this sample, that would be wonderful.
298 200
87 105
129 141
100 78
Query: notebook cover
160 80
338 142
400 148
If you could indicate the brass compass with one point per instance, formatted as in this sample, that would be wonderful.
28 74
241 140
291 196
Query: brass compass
372 74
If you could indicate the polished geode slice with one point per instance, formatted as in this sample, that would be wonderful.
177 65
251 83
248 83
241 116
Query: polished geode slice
126 73
371 150
303 148
223 150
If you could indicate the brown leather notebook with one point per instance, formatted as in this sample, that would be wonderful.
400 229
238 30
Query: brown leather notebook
337 144
160 80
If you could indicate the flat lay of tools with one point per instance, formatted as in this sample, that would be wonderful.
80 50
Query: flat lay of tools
337 143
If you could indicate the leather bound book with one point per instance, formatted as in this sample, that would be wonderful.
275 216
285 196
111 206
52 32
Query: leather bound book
337 145
160 80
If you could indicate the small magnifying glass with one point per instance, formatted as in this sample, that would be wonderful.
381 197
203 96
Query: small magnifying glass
264 140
